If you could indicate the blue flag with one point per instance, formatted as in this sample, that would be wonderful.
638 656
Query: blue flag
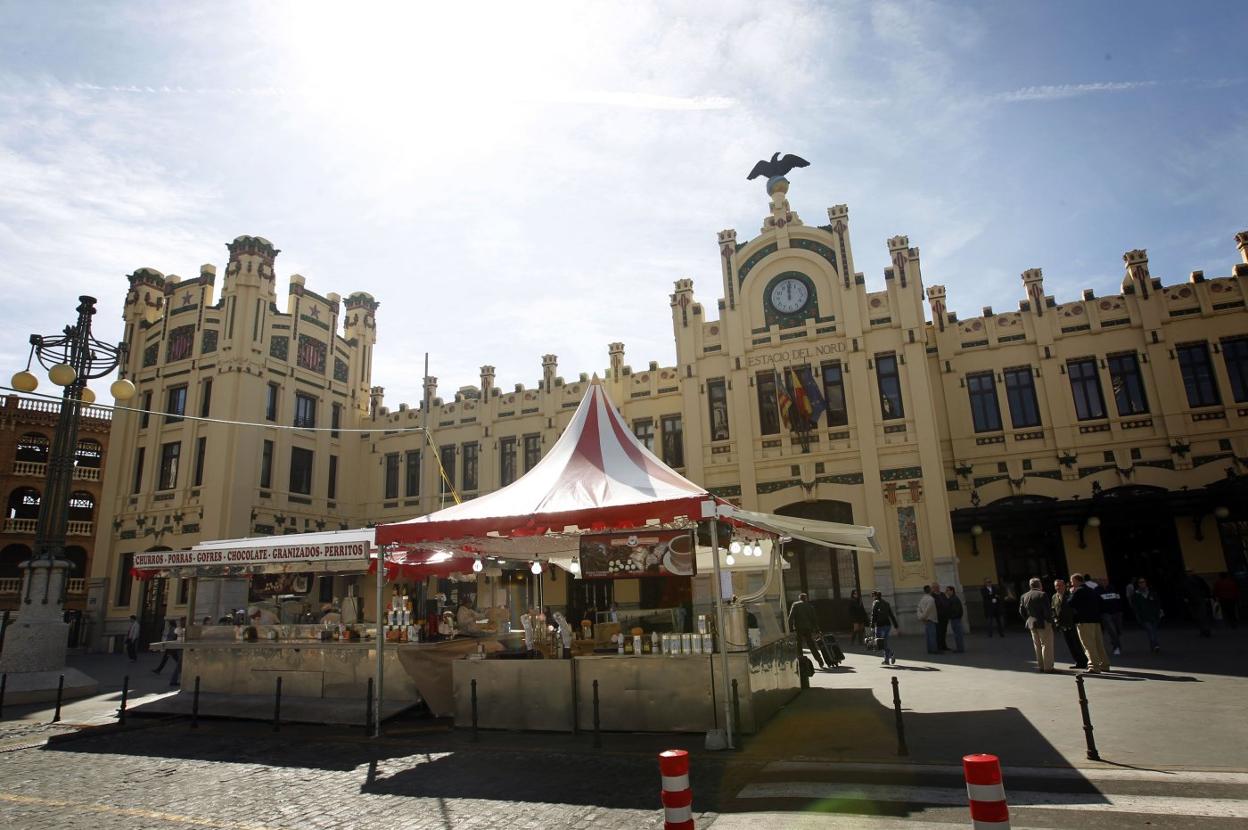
818 405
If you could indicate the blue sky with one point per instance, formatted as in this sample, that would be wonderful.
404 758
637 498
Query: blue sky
516 179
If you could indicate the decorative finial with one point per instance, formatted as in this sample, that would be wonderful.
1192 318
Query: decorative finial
775 170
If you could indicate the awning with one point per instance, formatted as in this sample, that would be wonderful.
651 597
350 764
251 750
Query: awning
828 534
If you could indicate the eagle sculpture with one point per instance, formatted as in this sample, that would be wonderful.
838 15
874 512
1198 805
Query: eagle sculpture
777 166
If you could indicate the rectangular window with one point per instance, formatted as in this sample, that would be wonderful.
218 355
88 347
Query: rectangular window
673 440
301 471
412 474
834 394
138 471
270 403
201 451
266 465
887 375
506 460
175 404
985 410
1020 393
335 420
470 465
331 487
1128 385
125 582
305 410
447 476
532 451
768 409
392 475
205 398
1085 385
717 401
145 418
169 455
1235 353
643 428
1198 380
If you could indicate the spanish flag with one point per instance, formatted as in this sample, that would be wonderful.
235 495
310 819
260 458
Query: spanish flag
803 411
784 400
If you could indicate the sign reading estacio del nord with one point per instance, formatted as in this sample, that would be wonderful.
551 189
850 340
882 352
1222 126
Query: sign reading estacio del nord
786 357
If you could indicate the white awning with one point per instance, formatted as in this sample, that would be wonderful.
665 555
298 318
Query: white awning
828 534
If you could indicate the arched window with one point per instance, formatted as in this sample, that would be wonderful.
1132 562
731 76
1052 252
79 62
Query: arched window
10 558
88 454
24 503
32 447
78 556
81 506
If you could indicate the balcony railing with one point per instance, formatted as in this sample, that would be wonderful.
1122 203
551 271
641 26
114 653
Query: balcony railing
74 587
54 408
38 469
81 528
28 526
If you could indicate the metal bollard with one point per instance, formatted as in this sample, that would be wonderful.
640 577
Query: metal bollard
368 708
4 682
475 738
902 749
1093 755
597 733
736 705
277 706
60 693
195 705
125 693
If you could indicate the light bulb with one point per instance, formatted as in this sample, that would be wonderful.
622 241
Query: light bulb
734 546
477 567
87 396
122 390
731 560
25 382
758 549
62 374
574 567
535 568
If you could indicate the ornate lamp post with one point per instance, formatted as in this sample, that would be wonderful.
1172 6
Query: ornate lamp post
35 647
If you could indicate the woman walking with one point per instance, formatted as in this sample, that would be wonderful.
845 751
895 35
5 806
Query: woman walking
857 616
883 620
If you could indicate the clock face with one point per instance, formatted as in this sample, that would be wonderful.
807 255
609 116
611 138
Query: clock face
789 295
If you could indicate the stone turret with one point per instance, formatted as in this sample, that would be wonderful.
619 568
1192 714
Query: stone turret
550 364
1137 277
1033 287
360 328
251 265
487 382
1241 242
936 299
616 353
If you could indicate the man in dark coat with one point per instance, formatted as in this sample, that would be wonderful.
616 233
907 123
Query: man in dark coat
942 617
1087 608
1064 619
1198 596
993 601
803 620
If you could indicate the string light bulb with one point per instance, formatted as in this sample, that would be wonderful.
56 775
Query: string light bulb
731 560
477 567
574 567
734 547
535 568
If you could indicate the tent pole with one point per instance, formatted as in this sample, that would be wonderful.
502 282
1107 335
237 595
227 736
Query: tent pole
718 593
381 641
777 562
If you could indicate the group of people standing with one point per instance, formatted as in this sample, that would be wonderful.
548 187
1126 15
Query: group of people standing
941 612
1086 613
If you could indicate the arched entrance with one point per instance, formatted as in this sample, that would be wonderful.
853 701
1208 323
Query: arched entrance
1026 541
152 607
826 574
10 558
1139 539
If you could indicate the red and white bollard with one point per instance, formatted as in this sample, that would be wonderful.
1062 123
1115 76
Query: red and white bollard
677 795
986 792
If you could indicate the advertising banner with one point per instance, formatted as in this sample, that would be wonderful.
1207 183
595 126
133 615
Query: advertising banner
623 555
277 555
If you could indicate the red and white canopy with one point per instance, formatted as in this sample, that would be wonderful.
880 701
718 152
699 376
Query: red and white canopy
597 476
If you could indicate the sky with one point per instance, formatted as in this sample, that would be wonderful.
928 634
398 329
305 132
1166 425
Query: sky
517 179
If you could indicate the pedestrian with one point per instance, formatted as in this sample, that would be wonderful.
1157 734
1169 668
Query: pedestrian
1199 598
1087 607
857 616
178 631
883 620
955 619
167 654
991 596
1147 610
132 639
1226 592
1111 614
1037 613
926 612
803 620
1064 620
942 617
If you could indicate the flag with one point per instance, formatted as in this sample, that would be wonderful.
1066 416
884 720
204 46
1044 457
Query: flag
818 405
784 400
802 409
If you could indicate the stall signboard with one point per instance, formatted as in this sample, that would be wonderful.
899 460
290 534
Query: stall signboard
623 555
279 554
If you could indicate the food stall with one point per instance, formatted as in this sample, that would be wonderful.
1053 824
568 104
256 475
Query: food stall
600 506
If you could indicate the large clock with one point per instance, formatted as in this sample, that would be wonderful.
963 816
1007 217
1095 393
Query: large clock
789 295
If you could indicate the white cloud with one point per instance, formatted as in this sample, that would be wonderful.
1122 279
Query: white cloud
1057 92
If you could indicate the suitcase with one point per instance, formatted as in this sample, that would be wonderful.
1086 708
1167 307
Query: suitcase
829 648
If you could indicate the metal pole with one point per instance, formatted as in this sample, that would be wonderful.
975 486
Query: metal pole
381 641
1093 755
192 596
474 710
125 693
4 626
902 749
778 564
60 692
368 708
736 704
195 705
277 706
4 682
718 593
597 734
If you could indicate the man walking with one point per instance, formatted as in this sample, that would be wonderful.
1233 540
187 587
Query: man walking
803 620
883 620
1037 614
942 617
1064 620
954 604
1198 597
1111 614
1087 607
991 597
132 639
1226 592
926 612
1147 609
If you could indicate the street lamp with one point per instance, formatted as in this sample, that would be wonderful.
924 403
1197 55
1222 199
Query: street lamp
72 358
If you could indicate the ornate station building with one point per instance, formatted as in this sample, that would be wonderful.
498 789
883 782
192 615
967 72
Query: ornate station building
1097 434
